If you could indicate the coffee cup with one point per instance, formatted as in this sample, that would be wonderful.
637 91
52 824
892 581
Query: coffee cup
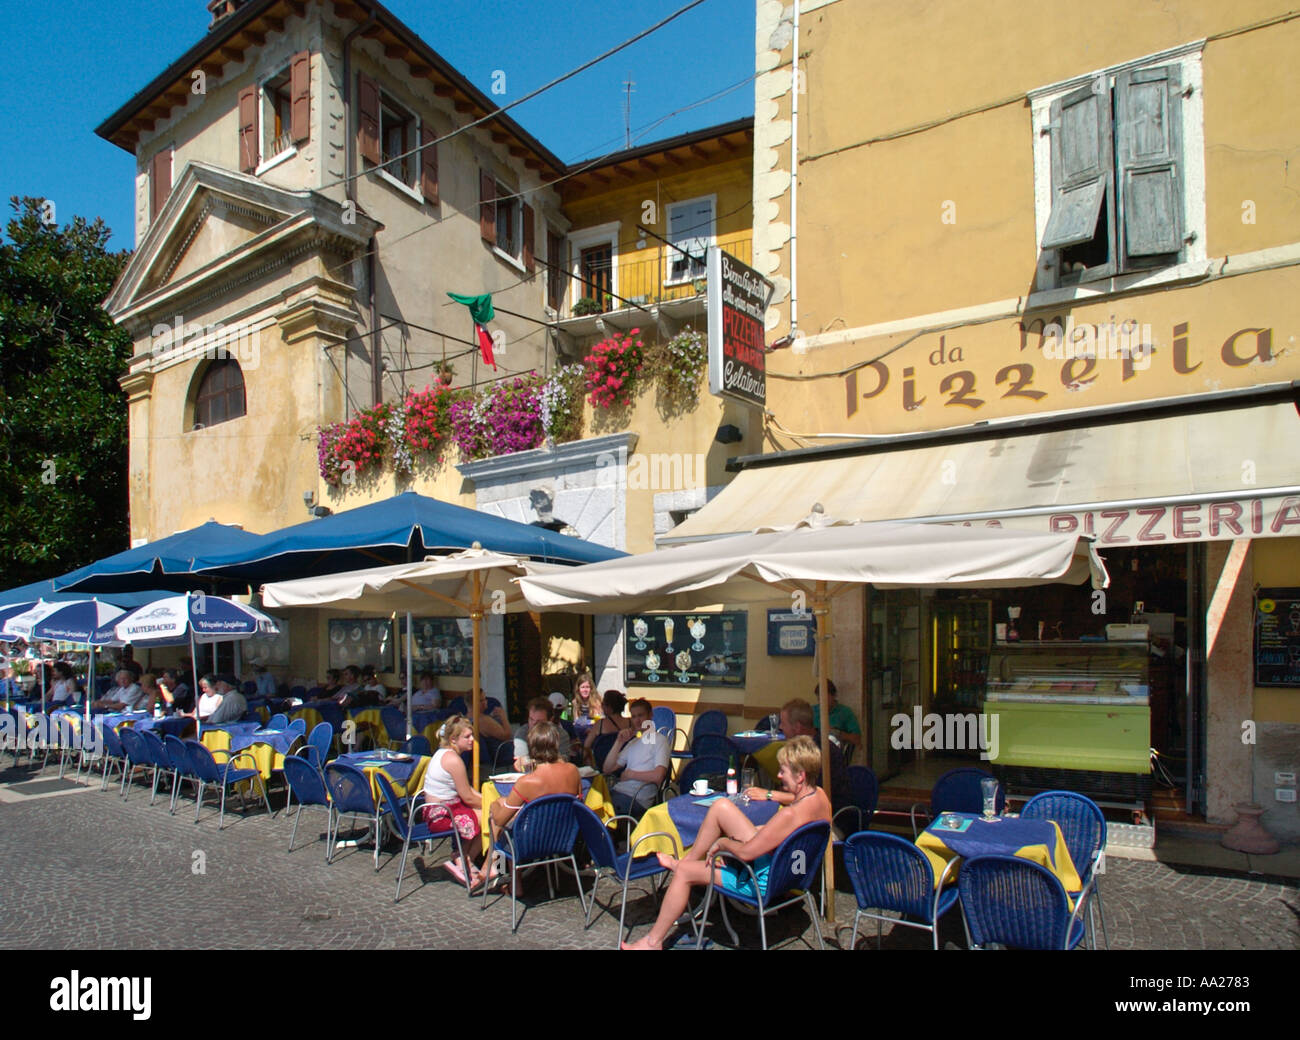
700 787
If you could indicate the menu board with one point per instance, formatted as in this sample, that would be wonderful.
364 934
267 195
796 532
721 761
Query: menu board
686 649
1277 637
271 651
361 641
443 645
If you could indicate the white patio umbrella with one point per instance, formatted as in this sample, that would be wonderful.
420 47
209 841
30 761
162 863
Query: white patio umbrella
196 618
473 581
84 622
20 627
819 559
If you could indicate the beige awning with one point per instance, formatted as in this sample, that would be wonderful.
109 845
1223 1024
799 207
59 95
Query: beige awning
1197 477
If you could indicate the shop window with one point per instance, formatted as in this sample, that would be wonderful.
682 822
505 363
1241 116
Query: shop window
1117 159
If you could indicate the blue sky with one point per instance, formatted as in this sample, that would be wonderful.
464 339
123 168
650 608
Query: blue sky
69 64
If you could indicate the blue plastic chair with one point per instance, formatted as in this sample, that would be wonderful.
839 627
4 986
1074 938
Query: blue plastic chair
699 769
402 815
138 756
795 865
622 868
1018 903
112 752
418 745
319 742
179 757
715 745
162 760
542 832
865 789
296 728
712 721
394 720
458 706
306 783
1084 828
890 873
278 721
350 795
207 772
958 790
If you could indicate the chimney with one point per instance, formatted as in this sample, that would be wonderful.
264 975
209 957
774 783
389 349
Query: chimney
222 9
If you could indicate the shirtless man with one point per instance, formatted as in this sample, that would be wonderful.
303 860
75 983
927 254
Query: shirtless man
728 829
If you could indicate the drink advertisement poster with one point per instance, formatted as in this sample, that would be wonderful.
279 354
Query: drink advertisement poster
686 649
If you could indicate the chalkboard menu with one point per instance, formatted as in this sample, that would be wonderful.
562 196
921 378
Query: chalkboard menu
1277 637
443 645
686 649
361 641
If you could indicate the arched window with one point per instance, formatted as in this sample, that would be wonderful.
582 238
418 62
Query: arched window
220 395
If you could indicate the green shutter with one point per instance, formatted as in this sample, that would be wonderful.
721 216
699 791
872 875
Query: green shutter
1149 145
1082 168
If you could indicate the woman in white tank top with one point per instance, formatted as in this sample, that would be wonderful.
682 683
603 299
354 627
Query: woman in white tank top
450 799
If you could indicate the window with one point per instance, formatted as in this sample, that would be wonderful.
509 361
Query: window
596 265
277 115
220 395
690 230
556 275
397 137
508 237
1119 170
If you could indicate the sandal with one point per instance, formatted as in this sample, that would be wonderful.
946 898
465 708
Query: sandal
455 870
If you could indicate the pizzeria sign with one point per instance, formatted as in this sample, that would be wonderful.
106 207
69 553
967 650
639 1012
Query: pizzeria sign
737 306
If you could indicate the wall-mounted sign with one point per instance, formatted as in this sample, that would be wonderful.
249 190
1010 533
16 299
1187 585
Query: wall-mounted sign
443 645
1277 637
686 649
737 305
790 634
361 641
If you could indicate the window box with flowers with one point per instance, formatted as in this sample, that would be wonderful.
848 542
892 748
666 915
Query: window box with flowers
614 369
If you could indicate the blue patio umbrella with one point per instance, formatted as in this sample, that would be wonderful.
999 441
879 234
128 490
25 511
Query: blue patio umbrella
167 563
86 621
25 597
402 529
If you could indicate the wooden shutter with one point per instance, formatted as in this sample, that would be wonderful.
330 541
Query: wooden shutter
300 93
1082 167
487 207
1148 136
556 269
368 118
249 150
428 165
160 181
530 241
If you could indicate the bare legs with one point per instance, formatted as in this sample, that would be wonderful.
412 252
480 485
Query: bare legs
724 820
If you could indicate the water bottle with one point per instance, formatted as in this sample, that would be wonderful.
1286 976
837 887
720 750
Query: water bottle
732 786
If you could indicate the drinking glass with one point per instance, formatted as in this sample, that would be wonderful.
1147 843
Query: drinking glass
748 778
774 722
989 789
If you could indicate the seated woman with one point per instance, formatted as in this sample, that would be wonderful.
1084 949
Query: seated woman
450 799
728 829
63 694
612 721
550 775
331 684
427 695
585 704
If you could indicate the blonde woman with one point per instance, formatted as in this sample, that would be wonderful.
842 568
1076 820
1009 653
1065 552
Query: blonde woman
450 799
728 829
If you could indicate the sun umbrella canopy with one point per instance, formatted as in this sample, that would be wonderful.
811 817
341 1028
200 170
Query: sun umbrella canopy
27 596
405 527
167 563
413 586
19 626
758 567
88 621
205 619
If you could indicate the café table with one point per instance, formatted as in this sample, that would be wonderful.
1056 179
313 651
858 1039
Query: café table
595 795
764 755
1039 841
267 746
167 726
404 772
684 815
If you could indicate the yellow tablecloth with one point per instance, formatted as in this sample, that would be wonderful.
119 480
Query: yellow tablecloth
598 800
412 785
766 757
370 719
1057 860
310 716
656 818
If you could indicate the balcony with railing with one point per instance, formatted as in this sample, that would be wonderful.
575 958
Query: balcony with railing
656 276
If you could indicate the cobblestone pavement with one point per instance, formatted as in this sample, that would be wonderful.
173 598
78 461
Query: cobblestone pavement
84 869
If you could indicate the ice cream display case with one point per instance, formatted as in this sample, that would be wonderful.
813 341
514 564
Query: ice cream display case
1065 708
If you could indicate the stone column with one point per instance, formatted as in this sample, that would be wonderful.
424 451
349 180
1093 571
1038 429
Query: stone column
1229 688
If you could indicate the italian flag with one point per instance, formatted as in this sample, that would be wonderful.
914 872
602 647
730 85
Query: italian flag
480 309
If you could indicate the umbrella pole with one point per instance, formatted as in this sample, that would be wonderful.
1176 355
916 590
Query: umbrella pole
410 672
476 618
194 656
821 611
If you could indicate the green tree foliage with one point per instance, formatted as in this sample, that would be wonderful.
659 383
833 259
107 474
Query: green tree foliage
62 413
